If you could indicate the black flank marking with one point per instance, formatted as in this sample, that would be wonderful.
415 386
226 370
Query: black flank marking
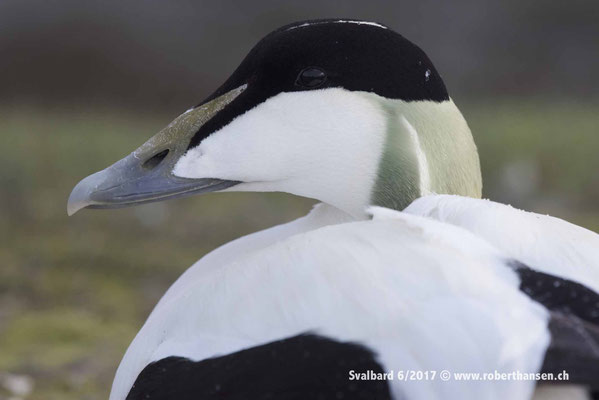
574 348
573 325
355 57
559 294
302 367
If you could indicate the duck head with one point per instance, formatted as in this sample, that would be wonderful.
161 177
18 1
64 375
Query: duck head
343 111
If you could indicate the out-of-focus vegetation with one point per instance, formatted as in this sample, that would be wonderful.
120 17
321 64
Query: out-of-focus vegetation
164 53
539 155
74 291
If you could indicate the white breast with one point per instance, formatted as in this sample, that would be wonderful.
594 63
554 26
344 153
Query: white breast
423 295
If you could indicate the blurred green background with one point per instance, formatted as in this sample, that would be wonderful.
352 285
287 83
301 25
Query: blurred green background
84 83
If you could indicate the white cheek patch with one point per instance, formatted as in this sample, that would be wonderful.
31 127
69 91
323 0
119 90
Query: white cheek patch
190 165
324 144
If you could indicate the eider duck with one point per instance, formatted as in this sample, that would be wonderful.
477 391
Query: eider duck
398 281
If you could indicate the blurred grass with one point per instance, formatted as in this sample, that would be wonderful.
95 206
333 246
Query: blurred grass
74 291
562 139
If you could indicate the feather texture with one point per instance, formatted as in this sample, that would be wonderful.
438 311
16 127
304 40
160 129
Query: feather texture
392 284
542 242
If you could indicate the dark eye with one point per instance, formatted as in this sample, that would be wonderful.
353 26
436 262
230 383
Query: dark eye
311 77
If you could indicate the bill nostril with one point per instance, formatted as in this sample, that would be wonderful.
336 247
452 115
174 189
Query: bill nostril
155 160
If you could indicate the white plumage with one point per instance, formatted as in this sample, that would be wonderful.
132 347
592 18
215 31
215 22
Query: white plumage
418 277
544 243
450 283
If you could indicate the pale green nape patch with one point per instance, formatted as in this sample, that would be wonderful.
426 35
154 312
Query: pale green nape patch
428 149
398 177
